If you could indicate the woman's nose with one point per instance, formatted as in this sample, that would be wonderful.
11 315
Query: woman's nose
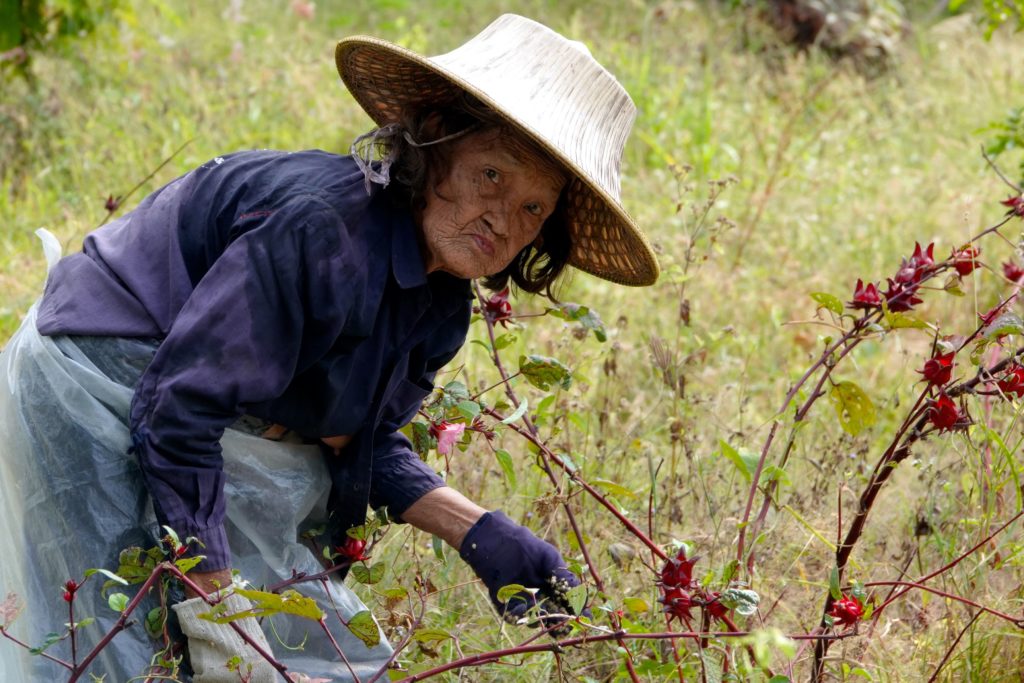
497 221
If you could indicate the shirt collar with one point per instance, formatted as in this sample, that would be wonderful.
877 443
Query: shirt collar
406 259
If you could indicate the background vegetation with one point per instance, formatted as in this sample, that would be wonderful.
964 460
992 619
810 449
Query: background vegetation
839 166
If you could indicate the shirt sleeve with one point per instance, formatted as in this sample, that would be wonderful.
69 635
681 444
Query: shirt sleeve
399 477
269 305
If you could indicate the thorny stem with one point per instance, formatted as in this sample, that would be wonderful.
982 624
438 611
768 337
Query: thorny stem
559 646
122 621
766 448
911 585
546 464
325 584
897 451
44 655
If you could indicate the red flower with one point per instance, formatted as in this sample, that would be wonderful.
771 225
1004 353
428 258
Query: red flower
497 309
914 269
939 369
69 590
352 549
901 297
944 413
1013 382
965 260
715 607
846 611
865 297
678 571
1016 205
677 603
1012 271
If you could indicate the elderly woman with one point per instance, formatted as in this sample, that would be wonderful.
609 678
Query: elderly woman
313 292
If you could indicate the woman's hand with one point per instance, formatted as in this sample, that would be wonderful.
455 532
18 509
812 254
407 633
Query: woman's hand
502 553
209 582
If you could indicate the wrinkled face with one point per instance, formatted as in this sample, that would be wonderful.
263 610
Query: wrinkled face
492 203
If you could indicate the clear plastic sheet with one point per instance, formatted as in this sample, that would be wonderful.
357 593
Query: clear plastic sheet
71 498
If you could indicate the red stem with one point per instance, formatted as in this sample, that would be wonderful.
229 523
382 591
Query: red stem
1016 621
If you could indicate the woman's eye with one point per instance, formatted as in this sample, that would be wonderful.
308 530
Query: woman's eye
533 209
491 174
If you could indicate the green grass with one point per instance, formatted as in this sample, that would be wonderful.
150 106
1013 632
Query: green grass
837 176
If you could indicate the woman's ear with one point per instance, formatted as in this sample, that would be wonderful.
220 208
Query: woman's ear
432 128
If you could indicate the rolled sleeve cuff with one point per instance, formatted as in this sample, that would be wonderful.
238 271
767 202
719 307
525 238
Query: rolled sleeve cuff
216 553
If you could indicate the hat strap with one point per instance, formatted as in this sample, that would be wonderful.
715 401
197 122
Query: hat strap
369 144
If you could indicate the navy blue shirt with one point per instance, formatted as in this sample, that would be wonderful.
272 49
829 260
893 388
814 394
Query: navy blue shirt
280 289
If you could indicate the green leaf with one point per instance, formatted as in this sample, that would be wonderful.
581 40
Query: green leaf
268 604
505 460
828 301
743 600
364 628
48 640
745 461
504 341
779 678
187 564
430 635
1006 323
109 574
854 409
542 372
368 575
583 315
438 546
613 488
82 623
577 597
519 412
155 620
117 601
900 321
469 409
506 592
636 605
833 584
422 441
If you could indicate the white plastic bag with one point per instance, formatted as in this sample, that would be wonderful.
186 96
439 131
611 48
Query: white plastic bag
71 498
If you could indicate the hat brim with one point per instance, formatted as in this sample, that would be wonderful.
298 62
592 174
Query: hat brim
387 79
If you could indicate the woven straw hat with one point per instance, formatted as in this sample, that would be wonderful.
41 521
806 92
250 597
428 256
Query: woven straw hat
548 87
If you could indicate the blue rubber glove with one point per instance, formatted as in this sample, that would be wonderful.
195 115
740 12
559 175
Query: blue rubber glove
502 553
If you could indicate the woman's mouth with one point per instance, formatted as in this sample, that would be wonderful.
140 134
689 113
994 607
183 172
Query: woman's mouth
484 245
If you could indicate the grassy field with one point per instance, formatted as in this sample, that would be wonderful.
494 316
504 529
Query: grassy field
836 175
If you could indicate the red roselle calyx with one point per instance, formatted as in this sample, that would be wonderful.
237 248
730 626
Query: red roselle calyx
497 308
1012 382
965 260
352 549
846 611
865 296
944 413
1013 271
677 603
938 370
1016 205
912 270
70 587
678 571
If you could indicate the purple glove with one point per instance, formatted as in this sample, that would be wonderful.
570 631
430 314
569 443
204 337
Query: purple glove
501 553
